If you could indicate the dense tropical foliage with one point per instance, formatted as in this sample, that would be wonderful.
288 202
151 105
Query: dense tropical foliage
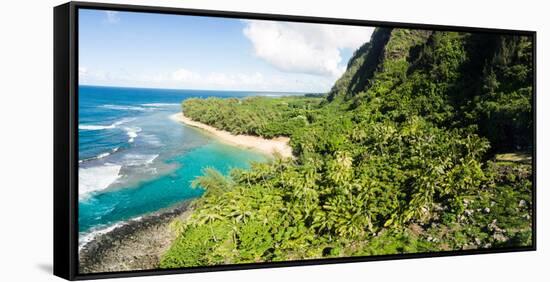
259 116
422 145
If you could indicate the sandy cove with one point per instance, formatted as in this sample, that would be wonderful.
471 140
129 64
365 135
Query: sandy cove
267 146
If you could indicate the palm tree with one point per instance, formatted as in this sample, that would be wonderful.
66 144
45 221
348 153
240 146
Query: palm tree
209 217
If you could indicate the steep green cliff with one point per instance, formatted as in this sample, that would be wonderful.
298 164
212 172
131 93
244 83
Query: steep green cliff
453 79
386 47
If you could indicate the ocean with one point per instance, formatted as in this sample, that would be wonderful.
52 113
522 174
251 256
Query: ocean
135 160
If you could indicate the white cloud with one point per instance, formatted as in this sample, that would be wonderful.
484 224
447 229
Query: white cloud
234 80
215 79
112 17
183 78
82 71
185 75
304 47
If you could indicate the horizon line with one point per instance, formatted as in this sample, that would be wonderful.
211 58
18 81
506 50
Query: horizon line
193 89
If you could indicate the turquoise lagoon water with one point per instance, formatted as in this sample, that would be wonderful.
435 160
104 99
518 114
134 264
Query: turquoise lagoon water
135 160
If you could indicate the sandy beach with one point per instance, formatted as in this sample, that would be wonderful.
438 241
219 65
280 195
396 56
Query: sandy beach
268 146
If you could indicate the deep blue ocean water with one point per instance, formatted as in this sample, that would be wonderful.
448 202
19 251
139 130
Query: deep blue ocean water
135 160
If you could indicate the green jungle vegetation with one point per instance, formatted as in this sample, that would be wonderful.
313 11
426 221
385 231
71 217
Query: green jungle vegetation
422 145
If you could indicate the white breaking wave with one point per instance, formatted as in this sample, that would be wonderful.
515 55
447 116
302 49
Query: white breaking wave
97 178
100 156
132 133
138 159
83 239
103 155
125 108
151 159
102 127
94 127
123 121
157 105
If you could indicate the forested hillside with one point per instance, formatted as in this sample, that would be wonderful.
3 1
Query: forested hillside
261 116
422 145
453 79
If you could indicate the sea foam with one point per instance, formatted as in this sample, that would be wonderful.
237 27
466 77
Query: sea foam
100 156
87 237
132 133
102 127
84 239
97 178
158 105
94 127
152 140
139 159
124 108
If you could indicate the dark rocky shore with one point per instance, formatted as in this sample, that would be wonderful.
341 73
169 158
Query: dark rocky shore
136 245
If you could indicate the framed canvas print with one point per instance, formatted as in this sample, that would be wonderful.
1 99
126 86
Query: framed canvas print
193 140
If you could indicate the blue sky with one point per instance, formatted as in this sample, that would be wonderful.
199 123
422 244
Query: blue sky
189 52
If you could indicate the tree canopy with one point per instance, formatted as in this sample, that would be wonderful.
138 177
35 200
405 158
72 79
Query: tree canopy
405 154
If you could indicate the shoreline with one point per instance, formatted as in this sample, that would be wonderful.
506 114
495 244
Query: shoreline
138 244
270 147
134 245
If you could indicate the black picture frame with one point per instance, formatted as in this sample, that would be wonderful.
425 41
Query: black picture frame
66 138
